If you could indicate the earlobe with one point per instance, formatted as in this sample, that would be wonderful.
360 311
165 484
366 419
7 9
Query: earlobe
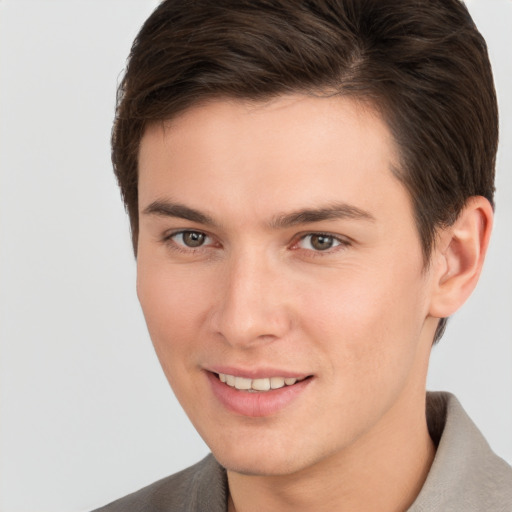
459 256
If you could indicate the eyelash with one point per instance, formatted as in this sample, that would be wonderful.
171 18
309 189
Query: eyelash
172 244
341 242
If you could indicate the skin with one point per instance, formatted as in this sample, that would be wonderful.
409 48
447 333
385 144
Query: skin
257 293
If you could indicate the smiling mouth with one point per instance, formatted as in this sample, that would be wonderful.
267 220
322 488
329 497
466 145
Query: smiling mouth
258 385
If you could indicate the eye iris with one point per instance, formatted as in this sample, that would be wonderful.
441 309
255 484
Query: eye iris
193 238
321 242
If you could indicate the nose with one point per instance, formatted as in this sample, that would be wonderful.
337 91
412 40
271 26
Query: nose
253 305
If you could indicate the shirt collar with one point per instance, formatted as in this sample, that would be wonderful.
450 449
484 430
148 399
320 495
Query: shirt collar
466 474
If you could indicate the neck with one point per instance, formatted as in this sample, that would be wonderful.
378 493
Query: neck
383 470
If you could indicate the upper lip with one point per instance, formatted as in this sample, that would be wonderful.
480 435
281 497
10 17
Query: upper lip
257 373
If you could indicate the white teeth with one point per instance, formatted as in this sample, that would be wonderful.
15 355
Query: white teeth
276 382
261 384
242 383
265 384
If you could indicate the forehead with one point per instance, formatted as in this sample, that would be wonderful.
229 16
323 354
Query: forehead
293 151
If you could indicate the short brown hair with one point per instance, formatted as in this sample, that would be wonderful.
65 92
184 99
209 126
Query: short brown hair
421 63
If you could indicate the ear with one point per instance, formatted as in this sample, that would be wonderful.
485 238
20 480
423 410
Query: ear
459 256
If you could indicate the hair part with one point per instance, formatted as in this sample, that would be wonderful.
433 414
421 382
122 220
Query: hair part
421 64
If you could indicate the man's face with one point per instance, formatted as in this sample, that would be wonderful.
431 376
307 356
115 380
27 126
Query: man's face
275 242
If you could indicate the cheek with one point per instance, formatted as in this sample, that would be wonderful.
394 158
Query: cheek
175 305
368 320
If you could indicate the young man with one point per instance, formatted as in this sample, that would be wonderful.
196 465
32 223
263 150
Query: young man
310 188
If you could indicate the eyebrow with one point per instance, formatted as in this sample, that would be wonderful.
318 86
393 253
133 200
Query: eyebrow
302 216
330 212
180 211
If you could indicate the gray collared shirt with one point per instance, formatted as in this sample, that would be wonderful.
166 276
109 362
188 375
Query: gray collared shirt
466 475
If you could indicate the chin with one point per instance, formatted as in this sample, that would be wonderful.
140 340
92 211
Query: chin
264 465
265 457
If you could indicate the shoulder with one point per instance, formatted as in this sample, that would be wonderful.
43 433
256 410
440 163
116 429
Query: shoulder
200 487
466 474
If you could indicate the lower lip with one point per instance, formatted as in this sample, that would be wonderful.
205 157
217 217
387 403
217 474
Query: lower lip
258 404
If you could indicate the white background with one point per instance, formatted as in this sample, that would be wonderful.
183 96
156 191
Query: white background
86 414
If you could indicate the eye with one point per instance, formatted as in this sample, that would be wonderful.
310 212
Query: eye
190 239
319 242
